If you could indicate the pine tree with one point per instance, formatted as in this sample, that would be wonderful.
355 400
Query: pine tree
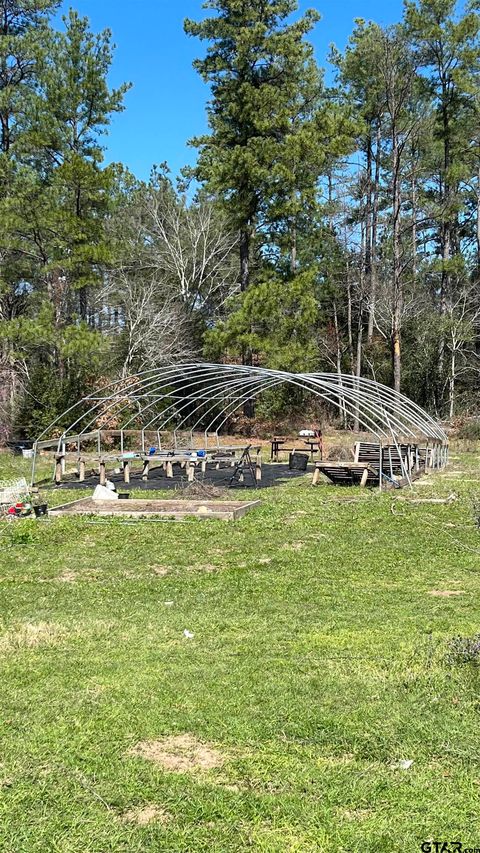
256 64
23 34
448 50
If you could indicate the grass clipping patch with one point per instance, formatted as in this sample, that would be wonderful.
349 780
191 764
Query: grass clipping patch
178 754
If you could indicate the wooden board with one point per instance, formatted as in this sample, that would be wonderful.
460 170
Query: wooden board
138 507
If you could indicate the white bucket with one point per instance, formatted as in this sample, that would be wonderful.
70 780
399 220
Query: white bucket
27 454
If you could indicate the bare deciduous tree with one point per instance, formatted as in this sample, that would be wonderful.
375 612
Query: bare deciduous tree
193 248
174 270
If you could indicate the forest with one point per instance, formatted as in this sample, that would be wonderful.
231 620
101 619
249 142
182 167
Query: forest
331 221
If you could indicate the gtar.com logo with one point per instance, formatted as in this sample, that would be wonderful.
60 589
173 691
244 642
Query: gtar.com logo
447 847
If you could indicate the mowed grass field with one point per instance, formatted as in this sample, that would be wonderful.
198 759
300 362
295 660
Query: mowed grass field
318 664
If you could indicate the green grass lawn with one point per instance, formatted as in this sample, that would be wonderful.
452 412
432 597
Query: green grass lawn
318 662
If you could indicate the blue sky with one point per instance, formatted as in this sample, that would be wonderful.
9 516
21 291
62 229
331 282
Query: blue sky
166 105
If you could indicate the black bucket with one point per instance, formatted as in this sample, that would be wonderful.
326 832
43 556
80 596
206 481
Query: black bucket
123 496
298 461
40 510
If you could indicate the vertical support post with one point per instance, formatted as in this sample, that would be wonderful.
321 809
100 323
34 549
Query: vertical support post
34 460
146 466
102 470
169 467
81 470
121 441
58 469
191 471
143 440
258 467
380 465
126 470
64 461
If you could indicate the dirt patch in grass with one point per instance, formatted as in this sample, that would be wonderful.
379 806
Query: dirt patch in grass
161 571
67 577
356 814
144 815
295 546
30 635
179 753
446 593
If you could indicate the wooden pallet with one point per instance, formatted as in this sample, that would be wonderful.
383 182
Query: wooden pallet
396 459
347 473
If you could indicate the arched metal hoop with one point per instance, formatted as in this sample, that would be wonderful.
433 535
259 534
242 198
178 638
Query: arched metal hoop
200 396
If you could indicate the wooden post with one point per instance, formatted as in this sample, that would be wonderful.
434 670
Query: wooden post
258 467
380 466
58 468
126 470
316 476
191 471
146 466
64 461
363 481
204 465
169 469
81 470
102 471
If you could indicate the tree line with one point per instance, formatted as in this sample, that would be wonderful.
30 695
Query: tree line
331 221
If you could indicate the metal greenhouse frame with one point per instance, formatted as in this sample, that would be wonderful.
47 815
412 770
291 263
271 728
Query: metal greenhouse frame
181 400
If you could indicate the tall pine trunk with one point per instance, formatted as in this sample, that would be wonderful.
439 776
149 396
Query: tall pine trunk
373 255
338 347
397 302
247 355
